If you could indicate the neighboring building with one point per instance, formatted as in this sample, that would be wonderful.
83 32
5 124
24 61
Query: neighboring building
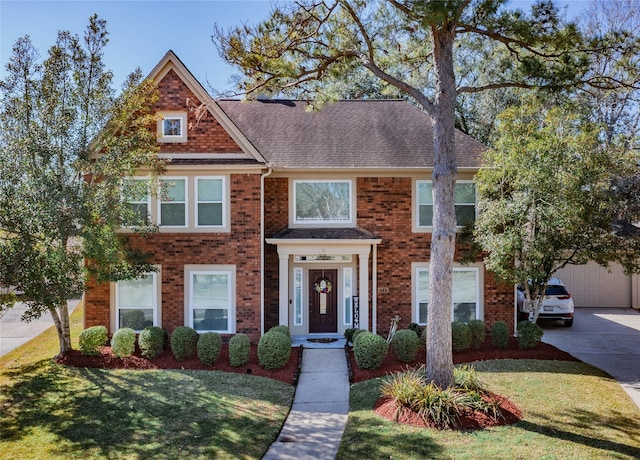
275 214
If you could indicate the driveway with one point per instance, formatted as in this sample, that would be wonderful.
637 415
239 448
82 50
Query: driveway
607 338
14 332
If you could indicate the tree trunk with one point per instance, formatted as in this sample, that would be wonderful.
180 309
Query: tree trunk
60 317
439 352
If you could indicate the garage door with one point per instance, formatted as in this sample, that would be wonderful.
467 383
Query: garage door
591 285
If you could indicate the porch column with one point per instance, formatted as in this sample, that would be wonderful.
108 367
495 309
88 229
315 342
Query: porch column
283 281
363 288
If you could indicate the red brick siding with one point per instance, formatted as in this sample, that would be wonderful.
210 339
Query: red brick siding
207 137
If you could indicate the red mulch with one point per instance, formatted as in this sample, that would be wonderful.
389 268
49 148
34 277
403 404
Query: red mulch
166 360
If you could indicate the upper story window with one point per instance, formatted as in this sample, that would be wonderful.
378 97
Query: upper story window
136 195
322 202
172 127
173 202
464 200
210 199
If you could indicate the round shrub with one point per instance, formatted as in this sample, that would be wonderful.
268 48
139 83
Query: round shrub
208 347
282 329
369 350
356 333
184 341
460 336
239 350
500 334
152 340
529 334
348 334
91 339
478 334
123 342
404 345
274 350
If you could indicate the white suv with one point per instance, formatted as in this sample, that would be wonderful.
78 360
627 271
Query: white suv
557 303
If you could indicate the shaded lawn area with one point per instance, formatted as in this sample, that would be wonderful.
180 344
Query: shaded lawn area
51 411
571 411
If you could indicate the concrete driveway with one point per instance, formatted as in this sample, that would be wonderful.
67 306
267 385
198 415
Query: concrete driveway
607 338
14 332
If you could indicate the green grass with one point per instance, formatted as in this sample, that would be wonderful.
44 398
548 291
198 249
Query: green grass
571 411
57 412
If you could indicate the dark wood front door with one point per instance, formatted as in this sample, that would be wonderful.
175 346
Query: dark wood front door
323 301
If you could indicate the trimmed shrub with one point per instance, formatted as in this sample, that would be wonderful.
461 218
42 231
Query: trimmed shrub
356 333
282 329
500 334
239 350
369 350
274 350
123 342
208 347
91 339
405 344
152 340
460 336
478 334
529 334
184 341
415 327
348 334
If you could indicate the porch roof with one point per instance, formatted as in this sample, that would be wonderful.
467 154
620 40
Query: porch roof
325 234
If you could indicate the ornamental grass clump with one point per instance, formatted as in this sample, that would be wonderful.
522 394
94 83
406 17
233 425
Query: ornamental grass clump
529 334
123 342
208 347
500 335
184 341
460 336
369 350
239 350
478 333
274 350
152 341
405 345
91 339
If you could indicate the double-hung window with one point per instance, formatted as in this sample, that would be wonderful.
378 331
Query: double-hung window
466 304
173 202
322 202
464 201
137 302
210 202
136 194
211 300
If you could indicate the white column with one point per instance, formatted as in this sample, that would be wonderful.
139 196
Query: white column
283 279
363 288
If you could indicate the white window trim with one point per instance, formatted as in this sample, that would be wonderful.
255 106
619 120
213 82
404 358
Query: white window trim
157 300
164 138
298 297
347 291
295 223
229 270
415 221
186 201
225 204
417 267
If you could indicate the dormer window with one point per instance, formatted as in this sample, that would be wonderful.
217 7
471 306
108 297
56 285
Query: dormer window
172 127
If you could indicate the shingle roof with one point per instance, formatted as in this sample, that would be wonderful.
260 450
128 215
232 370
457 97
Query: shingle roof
324 233
345 134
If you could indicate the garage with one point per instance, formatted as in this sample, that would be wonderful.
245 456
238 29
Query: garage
591 285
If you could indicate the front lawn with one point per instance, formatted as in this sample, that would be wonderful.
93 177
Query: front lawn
571 411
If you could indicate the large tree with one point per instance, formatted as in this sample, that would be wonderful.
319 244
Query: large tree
548 195
307 42
67 144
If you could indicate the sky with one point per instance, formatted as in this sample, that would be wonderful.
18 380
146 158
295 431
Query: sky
141 32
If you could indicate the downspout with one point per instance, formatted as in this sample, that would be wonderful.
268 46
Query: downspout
262 243
374 290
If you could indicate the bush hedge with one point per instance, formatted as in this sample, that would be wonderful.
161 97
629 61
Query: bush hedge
123 342
478 333
274 350
356 333
405 344
208 347
184 341
91 339
239 350
529 334
369 350
460 336
152 340
282 329
500 334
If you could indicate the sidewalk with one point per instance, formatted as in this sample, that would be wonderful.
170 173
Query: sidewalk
318 416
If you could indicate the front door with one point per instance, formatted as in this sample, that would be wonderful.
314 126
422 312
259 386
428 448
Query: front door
323 301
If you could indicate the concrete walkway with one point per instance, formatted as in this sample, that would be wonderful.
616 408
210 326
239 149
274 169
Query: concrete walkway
318 416
607 338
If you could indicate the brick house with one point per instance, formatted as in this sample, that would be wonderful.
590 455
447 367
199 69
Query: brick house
275 214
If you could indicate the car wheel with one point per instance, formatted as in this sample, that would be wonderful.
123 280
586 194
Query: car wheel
568 322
